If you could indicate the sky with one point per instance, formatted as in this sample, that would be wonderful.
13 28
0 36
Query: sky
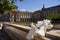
33 5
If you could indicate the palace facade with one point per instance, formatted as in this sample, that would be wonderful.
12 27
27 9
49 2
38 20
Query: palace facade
16 16
24 16
45 12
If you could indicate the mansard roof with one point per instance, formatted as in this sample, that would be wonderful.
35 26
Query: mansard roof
58 6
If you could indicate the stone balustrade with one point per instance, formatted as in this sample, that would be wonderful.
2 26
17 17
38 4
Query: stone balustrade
19 32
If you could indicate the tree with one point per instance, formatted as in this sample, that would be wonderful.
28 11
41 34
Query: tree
55 17
7 5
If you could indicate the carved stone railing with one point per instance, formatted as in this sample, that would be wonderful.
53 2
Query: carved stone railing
14 35
14 31
24 28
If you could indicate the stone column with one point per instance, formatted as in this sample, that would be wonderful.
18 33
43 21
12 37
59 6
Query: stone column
12 18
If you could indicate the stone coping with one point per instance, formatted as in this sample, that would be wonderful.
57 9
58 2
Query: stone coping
54 33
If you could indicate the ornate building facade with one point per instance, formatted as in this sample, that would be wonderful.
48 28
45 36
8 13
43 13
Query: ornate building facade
36 15
16 16
23 16
45 12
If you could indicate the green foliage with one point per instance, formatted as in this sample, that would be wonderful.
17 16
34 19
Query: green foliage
55 17
7 5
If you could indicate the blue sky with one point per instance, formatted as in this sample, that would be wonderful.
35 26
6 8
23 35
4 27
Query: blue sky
33 5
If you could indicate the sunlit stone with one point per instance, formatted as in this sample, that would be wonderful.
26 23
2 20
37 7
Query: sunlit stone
40 28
